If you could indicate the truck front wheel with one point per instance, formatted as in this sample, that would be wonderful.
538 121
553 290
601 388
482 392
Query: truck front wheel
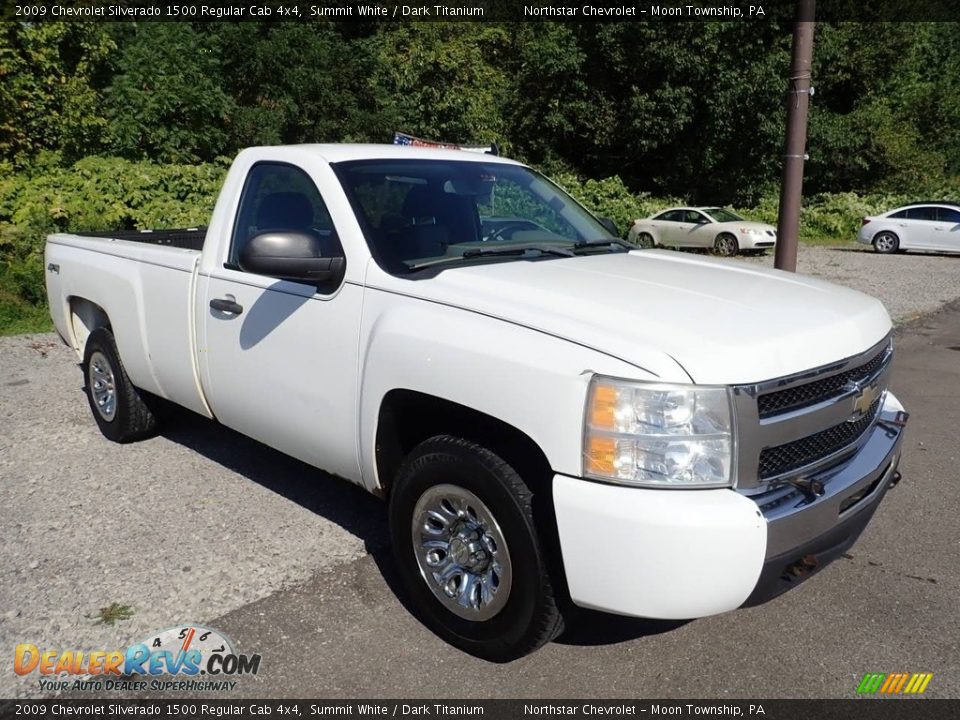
468 551
117 406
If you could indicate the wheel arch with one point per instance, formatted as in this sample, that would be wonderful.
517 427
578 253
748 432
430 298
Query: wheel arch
85 317
408 417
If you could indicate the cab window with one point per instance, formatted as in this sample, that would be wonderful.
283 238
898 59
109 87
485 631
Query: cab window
281 198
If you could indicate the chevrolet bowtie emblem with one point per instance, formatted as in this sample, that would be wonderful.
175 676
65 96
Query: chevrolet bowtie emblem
863 399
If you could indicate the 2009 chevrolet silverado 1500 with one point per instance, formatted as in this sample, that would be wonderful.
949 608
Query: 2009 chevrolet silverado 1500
556 420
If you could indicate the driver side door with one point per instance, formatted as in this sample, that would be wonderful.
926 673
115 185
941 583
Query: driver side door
279 358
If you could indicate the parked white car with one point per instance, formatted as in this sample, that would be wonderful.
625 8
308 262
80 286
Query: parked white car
714 228
932 226
554 418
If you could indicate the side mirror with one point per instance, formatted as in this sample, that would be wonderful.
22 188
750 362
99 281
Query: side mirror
290 256
610 225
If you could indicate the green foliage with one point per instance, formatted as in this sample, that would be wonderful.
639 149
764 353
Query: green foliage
96 193
48 94
111 614
165 101
124 125
443 80
610 198
294 82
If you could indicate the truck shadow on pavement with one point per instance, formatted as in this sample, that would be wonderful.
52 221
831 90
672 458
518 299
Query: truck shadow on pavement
358 512
339 501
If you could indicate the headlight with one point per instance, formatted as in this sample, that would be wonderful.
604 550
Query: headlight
750 231
658 435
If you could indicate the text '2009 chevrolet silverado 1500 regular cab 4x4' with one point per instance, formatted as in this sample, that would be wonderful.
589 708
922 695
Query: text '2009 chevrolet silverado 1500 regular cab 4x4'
555 419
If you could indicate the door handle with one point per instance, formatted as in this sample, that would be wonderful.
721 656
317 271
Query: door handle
227 306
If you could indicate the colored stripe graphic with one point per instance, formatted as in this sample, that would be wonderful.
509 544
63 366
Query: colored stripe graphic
918 683
871 683
894 683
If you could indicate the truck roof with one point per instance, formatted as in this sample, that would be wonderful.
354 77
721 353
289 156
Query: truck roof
341 152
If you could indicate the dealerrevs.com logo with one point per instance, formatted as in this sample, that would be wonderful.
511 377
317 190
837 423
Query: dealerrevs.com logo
190 657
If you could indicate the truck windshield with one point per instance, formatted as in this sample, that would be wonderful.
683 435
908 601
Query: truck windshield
431 213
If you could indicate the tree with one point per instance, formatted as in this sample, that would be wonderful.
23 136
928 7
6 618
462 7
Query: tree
166 101
294 83
48 94
443 80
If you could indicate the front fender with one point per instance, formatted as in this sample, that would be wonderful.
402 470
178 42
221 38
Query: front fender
533 381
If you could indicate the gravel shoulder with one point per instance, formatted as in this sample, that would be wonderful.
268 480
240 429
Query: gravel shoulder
909 285
183 527
200 522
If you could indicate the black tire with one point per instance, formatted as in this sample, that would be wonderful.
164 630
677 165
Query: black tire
130 418
530 616
726 245
886 242
645 240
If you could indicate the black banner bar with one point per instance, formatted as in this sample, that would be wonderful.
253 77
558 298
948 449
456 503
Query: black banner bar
864 708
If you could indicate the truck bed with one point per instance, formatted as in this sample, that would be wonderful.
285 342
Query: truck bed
146 283
187 238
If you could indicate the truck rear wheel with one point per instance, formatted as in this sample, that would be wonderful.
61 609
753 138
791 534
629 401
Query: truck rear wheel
467 548
118 407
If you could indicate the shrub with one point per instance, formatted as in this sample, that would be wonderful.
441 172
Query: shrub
610 198
96 193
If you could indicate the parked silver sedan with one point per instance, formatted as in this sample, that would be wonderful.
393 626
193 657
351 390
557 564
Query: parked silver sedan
718 229
931 226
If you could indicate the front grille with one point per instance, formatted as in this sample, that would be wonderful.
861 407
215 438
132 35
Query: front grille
811 393
793 455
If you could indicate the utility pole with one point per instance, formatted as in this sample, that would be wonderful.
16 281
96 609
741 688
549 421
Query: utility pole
798 102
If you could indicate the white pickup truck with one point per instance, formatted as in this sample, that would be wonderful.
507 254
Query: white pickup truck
556 419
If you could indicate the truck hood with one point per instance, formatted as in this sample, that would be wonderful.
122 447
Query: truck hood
721 322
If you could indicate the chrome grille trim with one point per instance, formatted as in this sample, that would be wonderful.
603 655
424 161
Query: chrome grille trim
848 435
756 433
822 389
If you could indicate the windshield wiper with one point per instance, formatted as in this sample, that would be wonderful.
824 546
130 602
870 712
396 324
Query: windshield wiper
542 248
581 244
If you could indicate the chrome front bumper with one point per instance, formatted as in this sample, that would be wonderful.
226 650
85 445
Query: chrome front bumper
812 522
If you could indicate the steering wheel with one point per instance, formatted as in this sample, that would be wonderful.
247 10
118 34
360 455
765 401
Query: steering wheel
496 234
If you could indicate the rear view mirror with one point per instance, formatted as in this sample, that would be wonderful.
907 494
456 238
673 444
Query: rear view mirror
290 256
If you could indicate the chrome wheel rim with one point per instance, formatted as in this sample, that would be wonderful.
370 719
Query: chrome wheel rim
725 245
461 552
102 386
645 241
884 242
